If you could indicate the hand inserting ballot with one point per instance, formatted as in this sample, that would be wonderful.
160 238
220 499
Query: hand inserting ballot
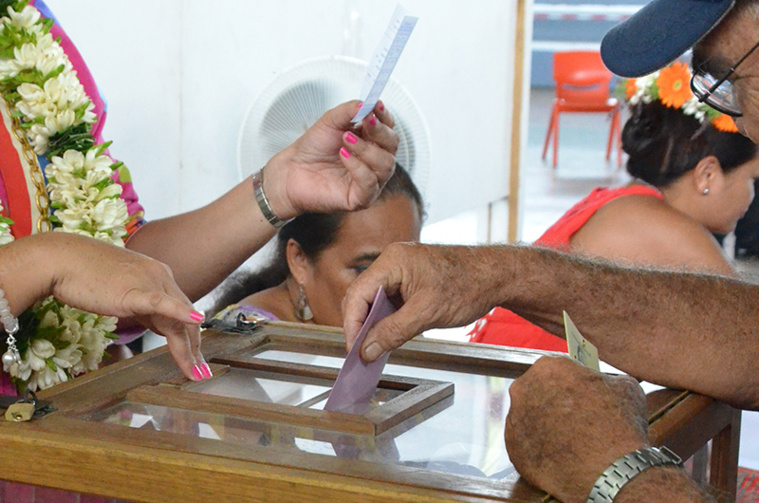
432 286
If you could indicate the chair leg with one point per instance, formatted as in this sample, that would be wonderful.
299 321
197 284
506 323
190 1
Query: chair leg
619 140
550 130
615 133
612 130
555 138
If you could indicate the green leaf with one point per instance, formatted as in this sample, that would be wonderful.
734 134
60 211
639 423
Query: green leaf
59 344
77 138
51 365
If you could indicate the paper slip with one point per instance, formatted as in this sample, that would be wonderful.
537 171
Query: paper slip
385 57
580 349
357 380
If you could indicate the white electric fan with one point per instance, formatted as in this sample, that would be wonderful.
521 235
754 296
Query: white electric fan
298 96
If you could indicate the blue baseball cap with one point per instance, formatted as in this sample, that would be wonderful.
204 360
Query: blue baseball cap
659 33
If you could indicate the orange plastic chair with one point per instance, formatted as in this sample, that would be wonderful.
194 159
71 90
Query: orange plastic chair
582 85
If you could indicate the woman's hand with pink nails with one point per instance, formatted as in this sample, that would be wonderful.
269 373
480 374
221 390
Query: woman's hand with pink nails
108 280
334 166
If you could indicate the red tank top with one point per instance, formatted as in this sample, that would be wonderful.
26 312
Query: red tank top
501 326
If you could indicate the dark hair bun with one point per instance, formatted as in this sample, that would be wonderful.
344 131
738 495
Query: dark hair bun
663 143
645 142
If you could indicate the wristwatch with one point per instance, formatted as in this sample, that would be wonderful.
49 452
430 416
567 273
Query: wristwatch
263 203
628 467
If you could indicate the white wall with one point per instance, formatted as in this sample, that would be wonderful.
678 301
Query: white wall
179 76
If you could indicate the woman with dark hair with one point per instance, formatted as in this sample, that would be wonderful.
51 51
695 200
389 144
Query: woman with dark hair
694 177
318 255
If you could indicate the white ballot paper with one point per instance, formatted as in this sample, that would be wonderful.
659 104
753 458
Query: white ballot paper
580 349
385 57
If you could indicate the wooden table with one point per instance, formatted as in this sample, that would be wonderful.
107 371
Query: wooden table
138 430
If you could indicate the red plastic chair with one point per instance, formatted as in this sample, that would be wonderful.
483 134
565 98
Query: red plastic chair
582 85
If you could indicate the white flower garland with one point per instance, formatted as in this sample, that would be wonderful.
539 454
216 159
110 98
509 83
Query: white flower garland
5 228
50 101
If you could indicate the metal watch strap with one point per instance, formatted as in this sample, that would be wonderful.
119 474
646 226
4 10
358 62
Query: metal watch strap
263 203
628 467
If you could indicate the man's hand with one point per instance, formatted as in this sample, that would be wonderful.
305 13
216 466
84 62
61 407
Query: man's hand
567 424
333 166
432 286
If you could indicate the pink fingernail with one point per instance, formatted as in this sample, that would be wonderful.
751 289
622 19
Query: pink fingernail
196 373
350 138
381 106
373 120
196 316
360 104
345 153
206 371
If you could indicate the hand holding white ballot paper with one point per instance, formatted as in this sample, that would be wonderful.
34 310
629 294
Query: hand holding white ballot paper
583 351
357 380
385 57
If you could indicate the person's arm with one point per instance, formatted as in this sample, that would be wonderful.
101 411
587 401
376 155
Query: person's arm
97 277
567 424
682 330
642 230
204 246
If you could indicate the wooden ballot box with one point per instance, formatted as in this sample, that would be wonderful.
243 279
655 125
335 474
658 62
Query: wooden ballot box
138 430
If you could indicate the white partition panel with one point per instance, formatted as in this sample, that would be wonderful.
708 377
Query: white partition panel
179 76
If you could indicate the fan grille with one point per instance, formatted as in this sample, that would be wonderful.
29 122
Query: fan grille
298 96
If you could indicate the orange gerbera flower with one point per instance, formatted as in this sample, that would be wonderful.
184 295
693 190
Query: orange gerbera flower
725 124
630 88
673 81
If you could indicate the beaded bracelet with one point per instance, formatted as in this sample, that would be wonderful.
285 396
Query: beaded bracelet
10 323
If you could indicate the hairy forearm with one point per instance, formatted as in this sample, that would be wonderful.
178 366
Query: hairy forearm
666 327
204 246
666 485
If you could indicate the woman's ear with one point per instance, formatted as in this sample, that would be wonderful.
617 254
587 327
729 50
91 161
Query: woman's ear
707 173
297 261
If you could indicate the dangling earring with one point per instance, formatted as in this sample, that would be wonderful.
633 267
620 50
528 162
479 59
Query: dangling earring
302 310
706 191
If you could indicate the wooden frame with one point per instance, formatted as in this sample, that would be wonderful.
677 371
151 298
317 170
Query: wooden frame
418 395
70 451
517 117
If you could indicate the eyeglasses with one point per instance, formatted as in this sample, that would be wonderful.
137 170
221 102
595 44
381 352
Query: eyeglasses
718 93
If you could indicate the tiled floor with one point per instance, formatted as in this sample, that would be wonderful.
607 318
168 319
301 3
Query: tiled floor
548 192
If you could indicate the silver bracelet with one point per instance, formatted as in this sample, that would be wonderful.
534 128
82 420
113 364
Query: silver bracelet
10 324
263 202
628 467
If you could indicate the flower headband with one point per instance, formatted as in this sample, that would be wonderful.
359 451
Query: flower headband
671 86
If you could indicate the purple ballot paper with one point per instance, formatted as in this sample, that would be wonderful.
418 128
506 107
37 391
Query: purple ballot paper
357 380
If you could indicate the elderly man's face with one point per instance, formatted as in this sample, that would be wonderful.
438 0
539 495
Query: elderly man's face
719 51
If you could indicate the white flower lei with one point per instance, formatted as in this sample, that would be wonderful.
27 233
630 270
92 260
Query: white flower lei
5 229
43 91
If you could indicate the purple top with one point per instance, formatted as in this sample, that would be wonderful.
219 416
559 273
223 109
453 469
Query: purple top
229 313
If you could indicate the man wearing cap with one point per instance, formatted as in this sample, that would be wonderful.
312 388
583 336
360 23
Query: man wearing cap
570 428
724 35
